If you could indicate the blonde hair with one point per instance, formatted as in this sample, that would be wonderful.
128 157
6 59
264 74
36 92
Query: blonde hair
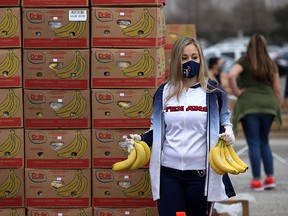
175 77
263 67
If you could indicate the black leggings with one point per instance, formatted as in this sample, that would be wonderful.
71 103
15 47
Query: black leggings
181 191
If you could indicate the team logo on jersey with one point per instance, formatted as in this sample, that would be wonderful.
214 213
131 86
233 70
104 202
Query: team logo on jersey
188 108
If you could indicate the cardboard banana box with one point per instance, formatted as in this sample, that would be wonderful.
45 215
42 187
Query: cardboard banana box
11 188
105 146
65 149
54 109
60 211
58 3
8 3
148 211
174 31
122 189
10 68
58 188
122 108
10 26
13 212
56 28
127 2
11 111
128 27
56 69
12 148
127 68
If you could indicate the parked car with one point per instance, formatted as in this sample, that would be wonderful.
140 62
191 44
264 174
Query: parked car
282 61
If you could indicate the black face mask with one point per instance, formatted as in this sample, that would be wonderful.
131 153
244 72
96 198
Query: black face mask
190 69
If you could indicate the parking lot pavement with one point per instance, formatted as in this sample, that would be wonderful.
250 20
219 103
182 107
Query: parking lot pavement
269 202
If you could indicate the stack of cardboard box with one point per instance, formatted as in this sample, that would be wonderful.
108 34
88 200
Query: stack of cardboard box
127 64
56 80
11 111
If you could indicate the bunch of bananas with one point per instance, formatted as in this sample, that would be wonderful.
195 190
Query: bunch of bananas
10 187
10 65
14 212
142 28
82 212
74 109
75 188
10 105
75 149
74 29
142 109
142 189
8 25
74 69
142 68
223 159
139 155
11 146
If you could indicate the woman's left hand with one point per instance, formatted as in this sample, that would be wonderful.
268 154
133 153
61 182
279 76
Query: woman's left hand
228 136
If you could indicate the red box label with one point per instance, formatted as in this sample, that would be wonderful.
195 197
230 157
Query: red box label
54 83
67 3
58 163
11 162
56 43
11 202
11 81
121 123
10 122
56 123
131 202
52 202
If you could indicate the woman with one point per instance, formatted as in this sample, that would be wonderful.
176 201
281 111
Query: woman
254 79
187 114
215 66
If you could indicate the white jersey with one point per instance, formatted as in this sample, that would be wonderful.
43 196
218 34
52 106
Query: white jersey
184 147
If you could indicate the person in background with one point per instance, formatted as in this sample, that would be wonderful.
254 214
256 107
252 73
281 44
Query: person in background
254 79
186 121
215 66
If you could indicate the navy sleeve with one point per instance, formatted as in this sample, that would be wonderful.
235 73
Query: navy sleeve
148 137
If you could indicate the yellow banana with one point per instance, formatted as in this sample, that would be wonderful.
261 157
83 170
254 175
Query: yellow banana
142 68
82 212
125 164
75 149
220 161
74 109
10 105
135 26
213 165
146 148
222 154
74 29
11 146
8 25
150 22
136 67
231 161
143 27
74 69
14 212
140 157
9 66
142 189
11 186
75 188
142 109
236 158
